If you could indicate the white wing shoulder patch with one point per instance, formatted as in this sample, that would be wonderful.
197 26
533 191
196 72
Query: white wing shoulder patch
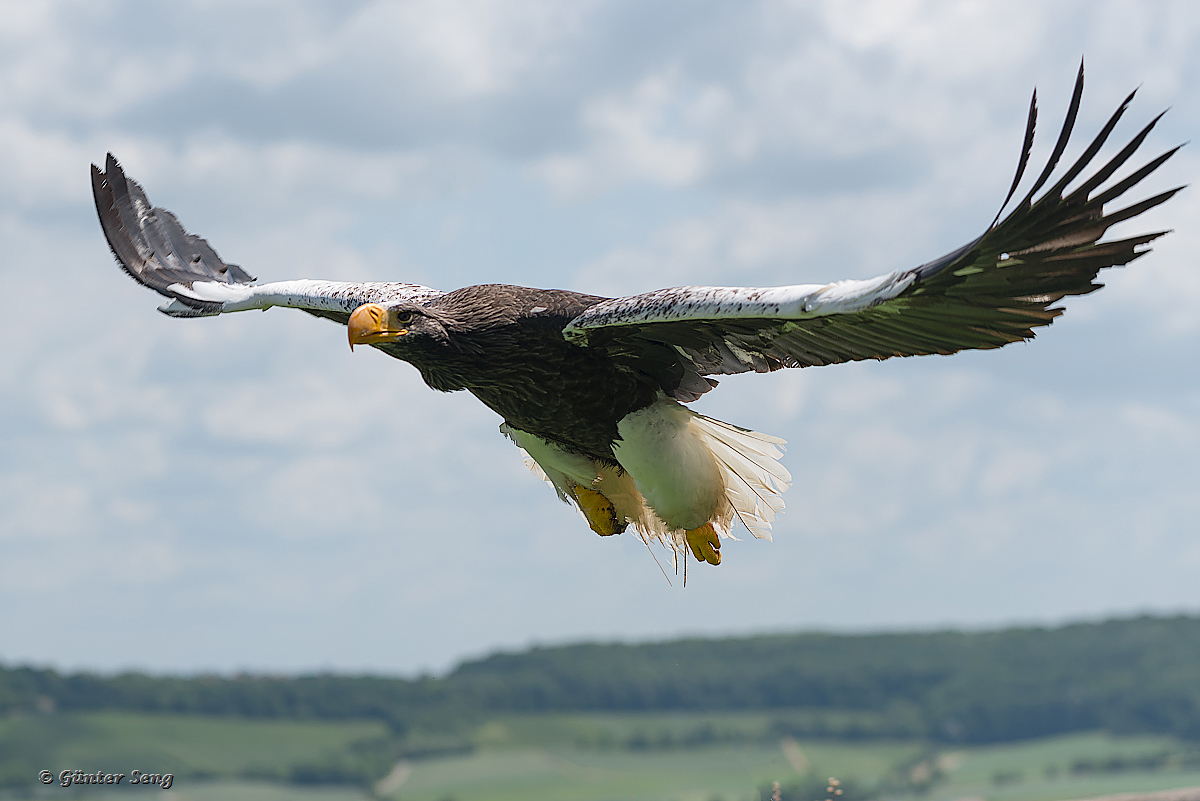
712 304
305 293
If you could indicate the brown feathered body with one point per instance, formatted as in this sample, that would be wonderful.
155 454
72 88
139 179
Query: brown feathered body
505 345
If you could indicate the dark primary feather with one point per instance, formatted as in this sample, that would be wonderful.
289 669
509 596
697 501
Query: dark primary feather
150 244
985 294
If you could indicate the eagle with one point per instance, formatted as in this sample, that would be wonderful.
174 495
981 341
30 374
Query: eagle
593 390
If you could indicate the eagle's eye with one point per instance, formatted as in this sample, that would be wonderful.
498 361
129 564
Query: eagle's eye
404 317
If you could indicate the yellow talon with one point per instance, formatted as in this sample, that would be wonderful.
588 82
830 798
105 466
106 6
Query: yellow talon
599 511
705 544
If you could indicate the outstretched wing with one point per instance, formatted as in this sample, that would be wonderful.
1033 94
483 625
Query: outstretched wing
152 246
988 293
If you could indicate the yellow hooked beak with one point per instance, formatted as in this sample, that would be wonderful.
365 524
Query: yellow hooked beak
371 324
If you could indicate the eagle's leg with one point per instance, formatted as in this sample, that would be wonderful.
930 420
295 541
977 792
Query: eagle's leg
705 544
599 511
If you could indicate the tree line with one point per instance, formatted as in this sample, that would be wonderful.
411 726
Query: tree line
1129 675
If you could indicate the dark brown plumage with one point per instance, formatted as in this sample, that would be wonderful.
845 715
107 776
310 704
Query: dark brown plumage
485 339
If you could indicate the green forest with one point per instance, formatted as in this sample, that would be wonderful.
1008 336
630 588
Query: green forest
1130 676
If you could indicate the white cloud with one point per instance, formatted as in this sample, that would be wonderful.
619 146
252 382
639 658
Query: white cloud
784 241
631 139
466 48
44 167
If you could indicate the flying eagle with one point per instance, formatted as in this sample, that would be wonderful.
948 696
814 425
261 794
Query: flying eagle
592 389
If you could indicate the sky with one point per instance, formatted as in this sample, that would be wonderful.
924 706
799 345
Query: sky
245 494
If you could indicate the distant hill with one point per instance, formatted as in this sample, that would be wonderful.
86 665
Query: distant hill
1132 675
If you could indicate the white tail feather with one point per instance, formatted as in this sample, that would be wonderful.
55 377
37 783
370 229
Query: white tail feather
754 478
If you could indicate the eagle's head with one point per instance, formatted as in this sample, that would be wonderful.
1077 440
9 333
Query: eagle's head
374 324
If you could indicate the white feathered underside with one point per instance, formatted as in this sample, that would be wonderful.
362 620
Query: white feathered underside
747 463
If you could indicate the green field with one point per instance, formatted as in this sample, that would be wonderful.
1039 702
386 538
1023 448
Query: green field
738 773
559 757
700 774
190 747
